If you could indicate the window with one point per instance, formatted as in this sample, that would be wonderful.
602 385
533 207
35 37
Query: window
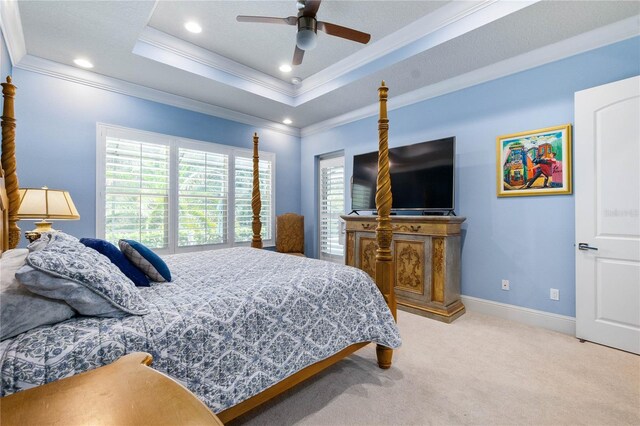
137 192
175 195
331 202
202 197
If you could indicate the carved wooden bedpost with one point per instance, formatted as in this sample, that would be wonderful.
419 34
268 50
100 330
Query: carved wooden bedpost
9 160
256 203
384 231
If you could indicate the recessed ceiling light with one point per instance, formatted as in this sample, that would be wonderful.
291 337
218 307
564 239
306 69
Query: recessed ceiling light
285 68
296 80
84 63
287 121
193 27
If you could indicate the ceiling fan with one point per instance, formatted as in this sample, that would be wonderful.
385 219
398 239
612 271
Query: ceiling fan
308 26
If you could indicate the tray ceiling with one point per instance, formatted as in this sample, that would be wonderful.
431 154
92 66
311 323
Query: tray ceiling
265 46
234 66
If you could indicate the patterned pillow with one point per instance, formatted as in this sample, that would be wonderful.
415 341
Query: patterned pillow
117 258
146 260
20 309
82 277
45 237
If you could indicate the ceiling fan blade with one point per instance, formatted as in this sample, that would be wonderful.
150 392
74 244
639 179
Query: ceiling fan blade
344 32
298 54
310 8
291 20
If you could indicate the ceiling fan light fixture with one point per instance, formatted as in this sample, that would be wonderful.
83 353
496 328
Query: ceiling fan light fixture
307 38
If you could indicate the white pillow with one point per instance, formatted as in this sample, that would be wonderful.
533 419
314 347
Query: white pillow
21 310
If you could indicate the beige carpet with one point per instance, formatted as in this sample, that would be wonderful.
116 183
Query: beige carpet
479 370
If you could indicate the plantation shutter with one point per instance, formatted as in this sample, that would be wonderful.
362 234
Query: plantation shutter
202 197
137 192
331 189
243 194
178 195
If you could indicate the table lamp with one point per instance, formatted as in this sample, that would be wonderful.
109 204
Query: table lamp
42 204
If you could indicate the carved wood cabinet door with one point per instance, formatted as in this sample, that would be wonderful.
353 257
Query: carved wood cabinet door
412 258
411 255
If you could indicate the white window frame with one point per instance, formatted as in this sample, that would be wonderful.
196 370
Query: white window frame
108 130
330 158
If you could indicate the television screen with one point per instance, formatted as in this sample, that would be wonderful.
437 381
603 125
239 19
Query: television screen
422 177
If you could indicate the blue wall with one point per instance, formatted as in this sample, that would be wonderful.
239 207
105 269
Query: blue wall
528 240
56 140
5 60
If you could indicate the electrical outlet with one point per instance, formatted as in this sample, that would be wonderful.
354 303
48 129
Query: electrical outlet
505 284
554 294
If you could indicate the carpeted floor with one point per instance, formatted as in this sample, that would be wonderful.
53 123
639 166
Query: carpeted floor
479 370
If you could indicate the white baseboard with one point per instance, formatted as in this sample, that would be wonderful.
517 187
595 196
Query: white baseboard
555 322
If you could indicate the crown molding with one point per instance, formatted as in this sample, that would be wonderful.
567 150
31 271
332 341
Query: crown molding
91 79
164 48
609 34
11 26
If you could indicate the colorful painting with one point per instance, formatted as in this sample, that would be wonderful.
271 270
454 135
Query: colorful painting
536 162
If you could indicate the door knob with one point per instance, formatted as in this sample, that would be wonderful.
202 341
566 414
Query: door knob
586 246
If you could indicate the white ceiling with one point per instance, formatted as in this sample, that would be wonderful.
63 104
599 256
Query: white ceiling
265 46
232 66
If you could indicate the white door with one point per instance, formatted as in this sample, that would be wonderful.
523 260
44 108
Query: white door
607 187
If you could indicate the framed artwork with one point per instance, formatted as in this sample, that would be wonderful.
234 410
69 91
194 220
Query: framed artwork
537 162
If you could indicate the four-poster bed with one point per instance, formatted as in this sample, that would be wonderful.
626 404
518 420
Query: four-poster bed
10 231
312 360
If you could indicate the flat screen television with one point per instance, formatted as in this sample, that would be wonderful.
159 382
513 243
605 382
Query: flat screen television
422 177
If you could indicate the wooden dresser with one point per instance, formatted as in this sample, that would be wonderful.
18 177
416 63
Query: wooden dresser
426 252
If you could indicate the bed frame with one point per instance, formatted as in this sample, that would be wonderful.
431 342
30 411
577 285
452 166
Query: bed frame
10 236
9 233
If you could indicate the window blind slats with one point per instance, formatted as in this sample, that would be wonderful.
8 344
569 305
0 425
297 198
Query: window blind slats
137 192
202 197
331 201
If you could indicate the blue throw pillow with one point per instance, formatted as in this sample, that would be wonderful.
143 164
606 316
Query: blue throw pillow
117 258
145 259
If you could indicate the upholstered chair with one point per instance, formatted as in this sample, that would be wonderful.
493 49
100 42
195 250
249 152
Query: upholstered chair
290 234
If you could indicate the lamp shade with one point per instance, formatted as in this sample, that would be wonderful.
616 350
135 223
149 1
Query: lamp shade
45 203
